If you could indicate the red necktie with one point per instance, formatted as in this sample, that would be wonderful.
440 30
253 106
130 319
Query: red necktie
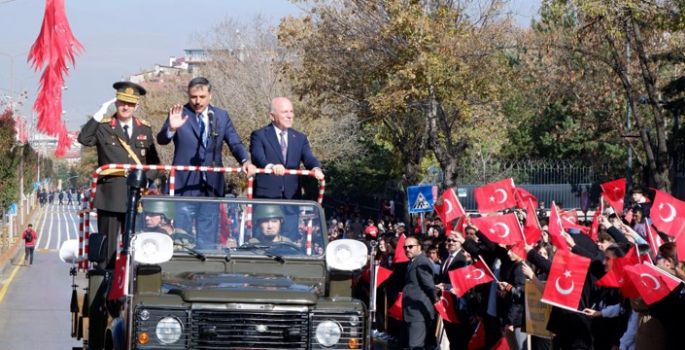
447 264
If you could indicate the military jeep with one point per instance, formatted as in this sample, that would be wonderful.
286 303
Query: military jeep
252 274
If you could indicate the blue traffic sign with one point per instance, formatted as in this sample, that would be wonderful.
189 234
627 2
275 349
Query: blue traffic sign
12 210
420 199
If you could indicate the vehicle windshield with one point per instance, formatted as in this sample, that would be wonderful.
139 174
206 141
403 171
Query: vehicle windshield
235 226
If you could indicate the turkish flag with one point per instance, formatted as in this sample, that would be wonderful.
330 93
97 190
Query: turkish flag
523 197
531 226
617 278
569 220
453 208
617 205
653 239
400 254
615 190
555 228
119 288
502 344
495 196
566 280
503 229
395 311
465 278
478 338
445 307
594 228
382 274
652 283
666 213
461 225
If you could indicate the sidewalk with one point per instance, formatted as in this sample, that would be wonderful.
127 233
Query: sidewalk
11 255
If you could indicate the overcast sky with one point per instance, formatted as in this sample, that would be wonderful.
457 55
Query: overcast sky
124 37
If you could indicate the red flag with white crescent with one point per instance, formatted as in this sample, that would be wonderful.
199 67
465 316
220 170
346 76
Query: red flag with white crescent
652 283
503 229
465 278
556 228
666 213
445 307
495 196
119 287
451 206
615 190
566 279
523 197
617 278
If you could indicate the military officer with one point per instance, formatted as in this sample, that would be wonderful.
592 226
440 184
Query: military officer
120 139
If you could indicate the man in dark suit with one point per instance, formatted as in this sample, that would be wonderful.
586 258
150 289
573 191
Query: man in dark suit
197 130
279 147
120 139
419 295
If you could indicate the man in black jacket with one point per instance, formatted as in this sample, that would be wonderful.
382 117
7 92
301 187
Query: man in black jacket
419 294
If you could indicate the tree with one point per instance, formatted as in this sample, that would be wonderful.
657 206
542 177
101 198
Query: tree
429 72
628 38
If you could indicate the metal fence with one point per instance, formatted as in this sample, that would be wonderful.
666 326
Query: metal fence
540 173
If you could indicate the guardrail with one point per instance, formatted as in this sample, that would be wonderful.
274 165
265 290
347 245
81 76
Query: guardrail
87 201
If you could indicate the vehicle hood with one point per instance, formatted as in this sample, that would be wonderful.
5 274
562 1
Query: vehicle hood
226 287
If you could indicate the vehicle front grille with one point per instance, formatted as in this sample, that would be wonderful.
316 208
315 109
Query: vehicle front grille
212 329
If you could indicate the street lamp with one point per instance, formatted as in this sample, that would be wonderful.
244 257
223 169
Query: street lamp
11 57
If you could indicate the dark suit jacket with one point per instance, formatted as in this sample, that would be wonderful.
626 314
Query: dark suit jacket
458 262
190 151
111 190
419 291
265 149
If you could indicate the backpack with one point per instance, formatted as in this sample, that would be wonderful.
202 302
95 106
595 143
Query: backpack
29 237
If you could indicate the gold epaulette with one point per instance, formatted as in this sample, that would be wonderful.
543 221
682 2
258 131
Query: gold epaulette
146 123
106 120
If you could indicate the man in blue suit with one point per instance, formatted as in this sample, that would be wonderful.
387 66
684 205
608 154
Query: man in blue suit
197 130
278 146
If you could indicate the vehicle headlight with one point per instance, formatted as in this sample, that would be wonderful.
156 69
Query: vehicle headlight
328 333
169 330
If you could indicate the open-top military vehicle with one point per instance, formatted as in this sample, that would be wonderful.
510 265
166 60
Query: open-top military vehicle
266 279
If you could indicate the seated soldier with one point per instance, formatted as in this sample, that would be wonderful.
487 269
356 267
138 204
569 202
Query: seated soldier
159 216
268 220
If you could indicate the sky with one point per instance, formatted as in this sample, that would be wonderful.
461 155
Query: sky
124 37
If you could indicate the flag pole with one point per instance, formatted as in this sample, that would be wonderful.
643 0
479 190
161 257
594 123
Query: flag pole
488 267
372 291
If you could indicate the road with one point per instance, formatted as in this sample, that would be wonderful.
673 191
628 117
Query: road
35 300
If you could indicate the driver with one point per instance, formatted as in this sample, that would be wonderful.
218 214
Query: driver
269 219
159 217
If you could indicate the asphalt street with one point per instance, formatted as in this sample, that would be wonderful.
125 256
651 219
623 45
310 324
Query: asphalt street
35 300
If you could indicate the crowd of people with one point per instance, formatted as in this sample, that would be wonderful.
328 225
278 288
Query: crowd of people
605 317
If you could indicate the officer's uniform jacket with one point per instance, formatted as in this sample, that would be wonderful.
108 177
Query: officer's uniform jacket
111 189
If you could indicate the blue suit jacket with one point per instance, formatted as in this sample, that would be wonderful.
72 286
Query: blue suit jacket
189 151
265 149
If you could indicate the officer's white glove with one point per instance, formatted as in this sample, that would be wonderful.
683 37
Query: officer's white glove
103 110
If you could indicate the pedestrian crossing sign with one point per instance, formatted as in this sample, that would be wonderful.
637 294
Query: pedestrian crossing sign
420 199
